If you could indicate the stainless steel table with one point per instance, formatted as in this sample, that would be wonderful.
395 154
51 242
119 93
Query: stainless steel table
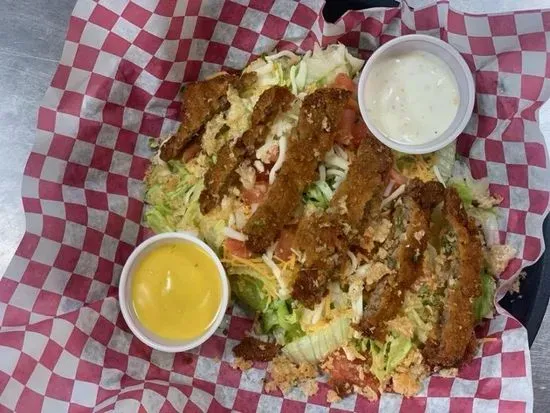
31 39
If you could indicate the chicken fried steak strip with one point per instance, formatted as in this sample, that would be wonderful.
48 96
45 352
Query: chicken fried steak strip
221 175
313 136
201 101
253 349
387 297
464 257
324 238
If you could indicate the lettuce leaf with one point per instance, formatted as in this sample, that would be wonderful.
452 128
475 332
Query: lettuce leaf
446 158
250 292
318 194
282 320
315 346
386 357
483 305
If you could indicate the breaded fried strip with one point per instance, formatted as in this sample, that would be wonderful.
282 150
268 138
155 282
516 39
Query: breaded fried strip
387 297
201 101
250 348
324 238
220 176
456 340
312 138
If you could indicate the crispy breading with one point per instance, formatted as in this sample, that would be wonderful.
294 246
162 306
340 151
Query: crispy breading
201 101
250 348
324 238
311 139
367 173
455 341
221 175
387 297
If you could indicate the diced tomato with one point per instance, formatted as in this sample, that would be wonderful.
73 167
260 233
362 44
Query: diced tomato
237 248
344 134
353 105
272 154
344 374
283 249
343 81
397 177
359 131
256 194
190 152
262 176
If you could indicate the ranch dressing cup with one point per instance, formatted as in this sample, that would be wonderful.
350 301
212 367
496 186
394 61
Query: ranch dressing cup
416 94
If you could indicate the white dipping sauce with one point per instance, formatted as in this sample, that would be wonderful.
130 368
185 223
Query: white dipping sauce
411 97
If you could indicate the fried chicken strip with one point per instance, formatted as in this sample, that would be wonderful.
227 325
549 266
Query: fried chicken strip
253 349
313 136
456 339
324 238
221 175
201 101
387 297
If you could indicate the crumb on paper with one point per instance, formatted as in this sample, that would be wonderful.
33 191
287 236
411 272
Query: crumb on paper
284 374
242 364
405 383
309 387
499 256
332 397
367 392
450 372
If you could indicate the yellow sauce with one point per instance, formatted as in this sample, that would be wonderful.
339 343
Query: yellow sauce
176 291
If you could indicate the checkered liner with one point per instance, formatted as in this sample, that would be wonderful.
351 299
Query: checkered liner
64 344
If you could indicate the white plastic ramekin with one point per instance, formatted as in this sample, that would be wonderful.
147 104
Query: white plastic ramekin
458 67
124 294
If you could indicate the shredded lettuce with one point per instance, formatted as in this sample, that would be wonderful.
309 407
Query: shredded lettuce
318 194
445 161
323 65
483 306
173 198
477 200
386 357
312 70
315 346
170 187
282 320
473 192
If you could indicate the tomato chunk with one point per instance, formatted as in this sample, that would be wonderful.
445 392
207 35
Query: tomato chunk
256 194
190 152
344 134
237 248
343 81
283 249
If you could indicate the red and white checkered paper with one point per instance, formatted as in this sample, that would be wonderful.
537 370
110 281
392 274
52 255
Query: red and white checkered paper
63 343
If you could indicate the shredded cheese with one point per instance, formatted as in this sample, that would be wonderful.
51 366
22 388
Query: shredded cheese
231 233
267 258
396 194
438 175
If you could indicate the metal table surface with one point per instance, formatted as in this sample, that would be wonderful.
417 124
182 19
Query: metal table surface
31 40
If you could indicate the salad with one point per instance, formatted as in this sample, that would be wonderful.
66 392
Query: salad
357 261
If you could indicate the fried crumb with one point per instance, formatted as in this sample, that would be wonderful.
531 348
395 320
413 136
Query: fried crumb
241 364
284 374
332 397
451 372
376 272
498 257
402 325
